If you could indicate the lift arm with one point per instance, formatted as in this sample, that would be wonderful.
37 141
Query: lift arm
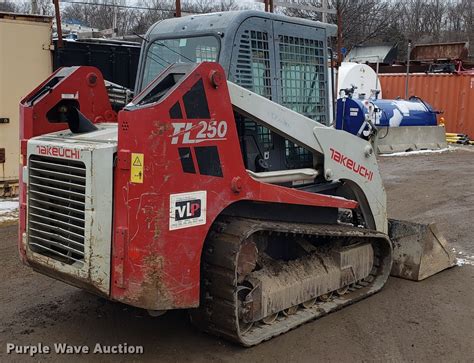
346 157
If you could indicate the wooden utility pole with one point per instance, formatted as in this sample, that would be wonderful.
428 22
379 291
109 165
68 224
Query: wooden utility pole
408 69
58 24
268 5
339 35
178 9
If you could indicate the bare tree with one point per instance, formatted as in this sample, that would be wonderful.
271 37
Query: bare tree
209 6
390 21
44 7
101 16
362 20
140 18
144 19
435 21
8 7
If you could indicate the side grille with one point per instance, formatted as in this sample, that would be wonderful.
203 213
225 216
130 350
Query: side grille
253 70
303 76
56 208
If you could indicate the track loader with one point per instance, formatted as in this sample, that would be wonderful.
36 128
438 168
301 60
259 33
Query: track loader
218 188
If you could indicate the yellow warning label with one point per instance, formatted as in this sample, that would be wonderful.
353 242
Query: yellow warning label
136 170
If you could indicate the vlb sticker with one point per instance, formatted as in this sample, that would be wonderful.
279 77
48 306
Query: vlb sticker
187 209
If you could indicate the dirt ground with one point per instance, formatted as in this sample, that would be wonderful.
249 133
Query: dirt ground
431 320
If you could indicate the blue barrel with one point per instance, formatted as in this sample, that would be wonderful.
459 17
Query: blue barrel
350 114
388 113
413 112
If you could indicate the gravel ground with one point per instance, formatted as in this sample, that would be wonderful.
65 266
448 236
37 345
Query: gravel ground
426 321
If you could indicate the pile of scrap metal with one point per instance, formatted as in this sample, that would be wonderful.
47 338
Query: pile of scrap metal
394 125
451 57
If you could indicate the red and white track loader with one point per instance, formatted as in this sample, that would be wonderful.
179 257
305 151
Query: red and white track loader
172 203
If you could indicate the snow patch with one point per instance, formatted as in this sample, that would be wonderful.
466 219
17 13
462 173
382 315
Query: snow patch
463 258
463 261
420 152
8 206
8 210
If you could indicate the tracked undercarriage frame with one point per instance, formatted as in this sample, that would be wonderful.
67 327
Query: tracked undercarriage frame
254 288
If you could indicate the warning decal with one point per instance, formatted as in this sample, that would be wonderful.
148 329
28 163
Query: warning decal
187 209
136 169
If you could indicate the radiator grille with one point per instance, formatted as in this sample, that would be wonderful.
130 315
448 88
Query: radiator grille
56 208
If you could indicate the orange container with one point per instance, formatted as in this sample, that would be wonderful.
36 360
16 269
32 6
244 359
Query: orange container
453 94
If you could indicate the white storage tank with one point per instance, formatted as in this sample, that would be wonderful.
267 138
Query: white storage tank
361 76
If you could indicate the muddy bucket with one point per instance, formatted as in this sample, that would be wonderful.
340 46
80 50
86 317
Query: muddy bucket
419 250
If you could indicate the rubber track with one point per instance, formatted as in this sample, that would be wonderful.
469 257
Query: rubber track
218 311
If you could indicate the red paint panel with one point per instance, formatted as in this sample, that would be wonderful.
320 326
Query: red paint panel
161 267
92 98
93 102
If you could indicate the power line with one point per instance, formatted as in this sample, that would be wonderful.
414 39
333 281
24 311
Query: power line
127 6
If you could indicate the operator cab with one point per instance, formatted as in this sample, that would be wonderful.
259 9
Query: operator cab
281 58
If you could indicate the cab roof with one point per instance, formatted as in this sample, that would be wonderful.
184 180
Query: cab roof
222 22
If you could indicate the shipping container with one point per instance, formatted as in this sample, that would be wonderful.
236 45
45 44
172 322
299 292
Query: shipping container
452 94
25 61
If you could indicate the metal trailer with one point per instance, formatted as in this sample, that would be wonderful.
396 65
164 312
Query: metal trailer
25 60
116 59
